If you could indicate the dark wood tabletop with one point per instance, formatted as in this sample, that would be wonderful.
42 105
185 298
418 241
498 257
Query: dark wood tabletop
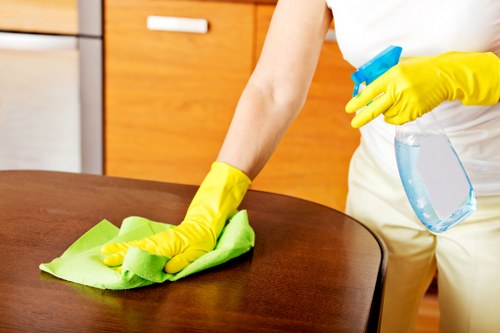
313 269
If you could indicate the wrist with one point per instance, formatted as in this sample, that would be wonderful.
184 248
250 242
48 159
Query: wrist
472 78
218 196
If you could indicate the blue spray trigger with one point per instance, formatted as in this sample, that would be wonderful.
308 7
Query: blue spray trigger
375 67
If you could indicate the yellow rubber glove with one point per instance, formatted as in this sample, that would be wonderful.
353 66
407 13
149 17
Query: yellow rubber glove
216 200
418 84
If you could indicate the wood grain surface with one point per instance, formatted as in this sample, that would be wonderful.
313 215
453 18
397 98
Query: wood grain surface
47 16
313 269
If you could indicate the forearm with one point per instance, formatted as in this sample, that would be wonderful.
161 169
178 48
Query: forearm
259 123
279 84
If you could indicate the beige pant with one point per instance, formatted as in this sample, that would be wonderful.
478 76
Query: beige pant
467 256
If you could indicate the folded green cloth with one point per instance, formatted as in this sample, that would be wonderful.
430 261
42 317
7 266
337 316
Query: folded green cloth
82 261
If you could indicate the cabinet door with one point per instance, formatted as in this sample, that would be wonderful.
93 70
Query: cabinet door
170 95
48 16
312 160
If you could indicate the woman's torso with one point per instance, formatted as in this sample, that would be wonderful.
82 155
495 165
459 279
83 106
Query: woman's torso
429 27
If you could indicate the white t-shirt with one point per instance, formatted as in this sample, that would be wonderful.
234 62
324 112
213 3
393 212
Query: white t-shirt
429 27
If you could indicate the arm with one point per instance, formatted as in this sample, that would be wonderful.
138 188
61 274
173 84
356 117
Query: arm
272 98
279 84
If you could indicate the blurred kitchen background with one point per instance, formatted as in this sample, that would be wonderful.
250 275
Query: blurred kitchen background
147 88
51 85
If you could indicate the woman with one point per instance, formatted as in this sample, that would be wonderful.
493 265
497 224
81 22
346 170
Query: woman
434 78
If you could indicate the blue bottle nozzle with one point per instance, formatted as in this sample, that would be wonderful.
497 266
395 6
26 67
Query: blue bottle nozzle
377 66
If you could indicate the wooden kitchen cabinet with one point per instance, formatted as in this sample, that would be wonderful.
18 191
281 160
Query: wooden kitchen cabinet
170 97
47 16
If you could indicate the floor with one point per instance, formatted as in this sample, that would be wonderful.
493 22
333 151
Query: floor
428 315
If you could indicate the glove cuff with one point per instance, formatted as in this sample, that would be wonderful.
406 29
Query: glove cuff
474 78
218 196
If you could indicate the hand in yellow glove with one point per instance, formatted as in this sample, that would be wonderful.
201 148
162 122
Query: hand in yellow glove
418 84
216 200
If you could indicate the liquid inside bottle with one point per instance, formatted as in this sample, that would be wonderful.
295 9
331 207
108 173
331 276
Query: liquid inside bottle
433 177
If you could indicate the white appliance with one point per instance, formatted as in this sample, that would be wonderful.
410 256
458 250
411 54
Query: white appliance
51 105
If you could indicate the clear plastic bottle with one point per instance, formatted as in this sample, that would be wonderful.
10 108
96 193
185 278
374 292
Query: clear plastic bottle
432 175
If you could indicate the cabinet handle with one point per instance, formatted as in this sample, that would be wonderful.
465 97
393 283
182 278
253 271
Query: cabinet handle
177 24
331 36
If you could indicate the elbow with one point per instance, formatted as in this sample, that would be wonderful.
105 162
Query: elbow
281 96
290 98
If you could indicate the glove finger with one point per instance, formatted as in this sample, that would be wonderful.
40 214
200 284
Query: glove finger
405 110
114 248
369 94
179 262
370 112
399 114
114 259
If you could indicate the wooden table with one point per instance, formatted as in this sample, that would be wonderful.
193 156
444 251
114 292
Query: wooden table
313 269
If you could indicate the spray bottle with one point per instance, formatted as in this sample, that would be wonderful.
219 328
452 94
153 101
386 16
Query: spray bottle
433 177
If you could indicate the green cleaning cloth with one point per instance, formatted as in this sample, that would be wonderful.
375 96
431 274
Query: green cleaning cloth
82 261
